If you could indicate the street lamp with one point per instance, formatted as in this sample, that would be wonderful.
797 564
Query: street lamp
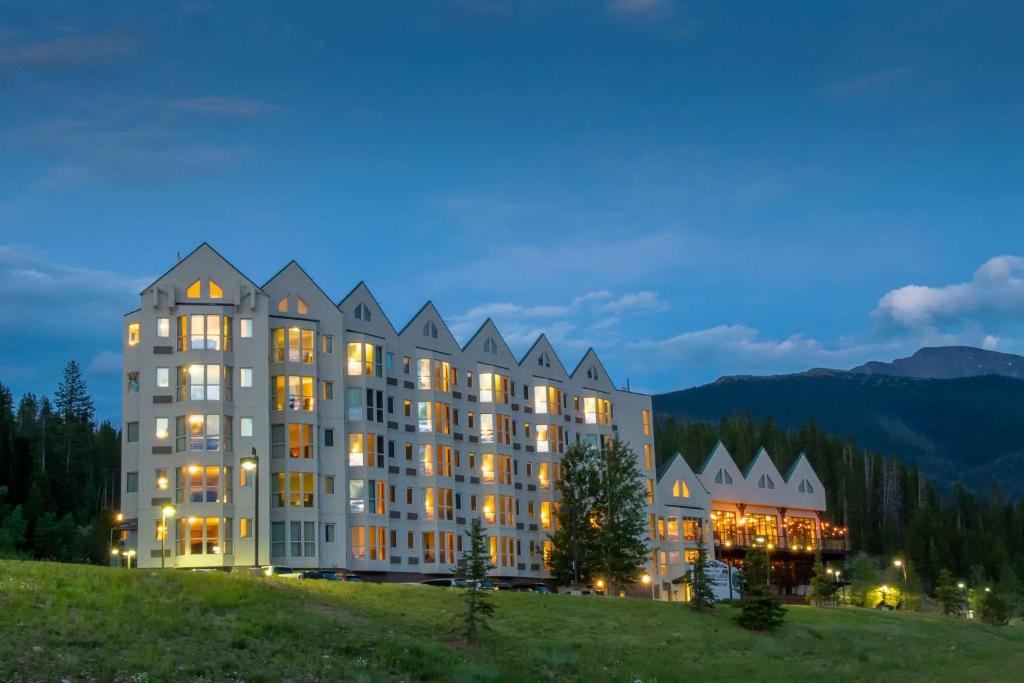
760 540
118 518
647 581
885 594
251 464
600 584
165 512
129 554
900 564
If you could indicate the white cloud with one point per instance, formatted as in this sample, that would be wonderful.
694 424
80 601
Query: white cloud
996 290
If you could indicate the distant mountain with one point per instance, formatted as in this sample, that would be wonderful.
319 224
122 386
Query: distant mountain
953 426
948 362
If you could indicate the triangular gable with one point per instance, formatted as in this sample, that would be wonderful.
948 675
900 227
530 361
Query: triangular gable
294 282
676 469
489 346
428 329
202 265
377 323
802 471
720 461
542 349
774 483
588 364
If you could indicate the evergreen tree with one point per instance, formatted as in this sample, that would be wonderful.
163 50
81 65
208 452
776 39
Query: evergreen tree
823 587
759 609
574 540
702 595
949 595
620 547
993 609
75 408
472 568
1010 589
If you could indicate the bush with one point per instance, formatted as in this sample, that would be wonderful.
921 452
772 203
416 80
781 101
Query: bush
994 610
759 609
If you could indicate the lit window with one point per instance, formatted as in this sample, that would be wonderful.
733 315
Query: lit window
301 306
680 489
163 327
327 343
357 497
163 377
134 334
423 374
282 305
245 377
215 291
163 426
423 413
194 290
487 467
245 328
648 456
245 425
355 450
204 432
647 422
361 359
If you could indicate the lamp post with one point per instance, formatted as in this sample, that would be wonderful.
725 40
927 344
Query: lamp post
885 594
118 518
167 511
760 540
129 554
842 585
900 564
251 464
647 581
113 554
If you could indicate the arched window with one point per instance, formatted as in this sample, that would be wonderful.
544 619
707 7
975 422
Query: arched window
544 360
723 477
680 489
491 346
430 329
363 312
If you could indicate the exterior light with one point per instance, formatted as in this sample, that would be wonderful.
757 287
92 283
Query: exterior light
961 585
760 539
193 520
771 546
600 583
195 419
885 589
645 579
161 482
119 517
192 469
114 551
168 511
987 589
897 563
249 464
830 571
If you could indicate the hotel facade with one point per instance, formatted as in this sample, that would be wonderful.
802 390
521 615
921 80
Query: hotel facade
270 425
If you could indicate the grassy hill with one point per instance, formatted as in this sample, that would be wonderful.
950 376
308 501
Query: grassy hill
77 623
951 427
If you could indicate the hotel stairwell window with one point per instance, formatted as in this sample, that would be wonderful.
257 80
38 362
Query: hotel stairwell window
423 374
163 327
163 378
245 425
245 328
133 382
134 334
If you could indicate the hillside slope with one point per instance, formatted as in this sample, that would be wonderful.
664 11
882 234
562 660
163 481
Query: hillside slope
80 623
951 427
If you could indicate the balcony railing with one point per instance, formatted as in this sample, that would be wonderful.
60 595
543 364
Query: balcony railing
744 540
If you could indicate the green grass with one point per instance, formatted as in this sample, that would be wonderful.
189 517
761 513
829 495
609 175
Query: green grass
89 623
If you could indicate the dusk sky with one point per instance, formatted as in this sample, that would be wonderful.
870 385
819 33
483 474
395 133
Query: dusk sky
692 190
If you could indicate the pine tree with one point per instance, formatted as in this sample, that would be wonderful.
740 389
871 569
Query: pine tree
949 595
620 516
993 609
823 587
702 595
76 410
472 568
759 609
573 542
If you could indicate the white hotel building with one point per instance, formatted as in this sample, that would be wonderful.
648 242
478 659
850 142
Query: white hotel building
374 447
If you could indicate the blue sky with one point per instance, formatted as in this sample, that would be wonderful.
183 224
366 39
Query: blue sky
694 191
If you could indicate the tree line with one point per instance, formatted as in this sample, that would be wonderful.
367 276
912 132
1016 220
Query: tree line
59 474
890 508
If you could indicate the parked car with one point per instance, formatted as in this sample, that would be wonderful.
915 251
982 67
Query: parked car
445 583
352 578
311 574
275 570
328 575
504 587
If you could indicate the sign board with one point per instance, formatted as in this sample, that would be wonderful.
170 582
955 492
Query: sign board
725 580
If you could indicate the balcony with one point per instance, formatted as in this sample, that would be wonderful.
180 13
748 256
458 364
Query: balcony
743 540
